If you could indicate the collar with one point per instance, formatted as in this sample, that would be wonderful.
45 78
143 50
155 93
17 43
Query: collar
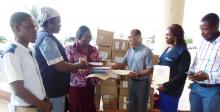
50 34
22 47
77 46
215 41
138 47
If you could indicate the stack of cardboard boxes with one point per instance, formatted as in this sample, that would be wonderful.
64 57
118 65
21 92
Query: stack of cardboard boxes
104 41
123 95
110 48
114 50
119 50
151 99
97 96
109 93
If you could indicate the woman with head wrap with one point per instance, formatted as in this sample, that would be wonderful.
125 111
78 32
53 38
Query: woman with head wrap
81 93
177 57
52 59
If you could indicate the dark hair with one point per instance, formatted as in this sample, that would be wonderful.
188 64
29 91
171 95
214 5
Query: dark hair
81 31
17 18
136 32
52 21
178 32
212 19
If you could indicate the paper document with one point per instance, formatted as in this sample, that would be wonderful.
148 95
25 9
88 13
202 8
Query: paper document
160 74
100 76
121 72
96 63
112 74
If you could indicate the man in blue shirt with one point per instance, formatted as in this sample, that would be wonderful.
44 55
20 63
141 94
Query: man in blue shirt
139 59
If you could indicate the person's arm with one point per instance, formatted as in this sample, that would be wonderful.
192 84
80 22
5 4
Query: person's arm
148 64
27 96
118 66
124 62
66 67
52 55
183 67
145 72
199 76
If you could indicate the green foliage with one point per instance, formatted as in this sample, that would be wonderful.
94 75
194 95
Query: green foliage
69 39
33 11
2 39
151 39
189 40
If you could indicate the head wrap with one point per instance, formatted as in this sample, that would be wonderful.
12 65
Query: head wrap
45 14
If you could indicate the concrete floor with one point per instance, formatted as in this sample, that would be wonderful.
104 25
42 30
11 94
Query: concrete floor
3 106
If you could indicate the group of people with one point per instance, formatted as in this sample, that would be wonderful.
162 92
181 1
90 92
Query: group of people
52 76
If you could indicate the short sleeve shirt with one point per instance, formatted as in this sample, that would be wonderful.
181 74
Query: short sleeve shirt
50 51
20 65
138 59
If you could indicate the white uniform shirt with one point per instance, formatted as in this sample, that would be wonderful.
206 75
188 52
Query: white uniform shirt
19 64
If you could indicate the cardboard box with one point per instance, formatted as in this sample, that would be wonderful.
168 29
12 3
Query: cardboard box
156 59
109 87
97 89
104 52
97 101
123 91
118 56
124 78
123 106
151 91
151 103
104 38
120 45
110 101
123 99
123 84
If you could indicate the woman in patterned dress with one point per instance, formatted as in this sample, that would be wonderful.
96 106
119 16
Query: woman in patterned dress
81 93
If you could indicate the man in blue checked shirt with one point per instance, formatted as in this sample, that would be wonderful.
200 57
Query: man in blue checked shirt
139 60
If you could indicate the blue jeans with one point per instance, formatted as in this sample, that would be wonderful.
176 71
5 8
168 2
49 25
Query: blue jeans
204 99
138 94
58 104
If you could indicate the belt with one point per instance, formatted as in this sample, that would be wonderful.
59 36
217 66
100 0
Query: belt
208 85
32 106
29 106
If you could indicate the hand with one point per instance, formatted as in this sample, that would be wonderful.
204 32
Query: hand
132 74
190 75
46 106
83 63
199 76
161 88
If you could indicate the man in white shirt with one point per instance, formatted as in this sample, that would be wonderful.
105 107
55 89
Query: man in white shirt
21 69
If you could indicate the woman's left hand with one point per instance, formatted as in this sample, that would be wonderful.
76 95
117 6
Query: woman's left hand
161 88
